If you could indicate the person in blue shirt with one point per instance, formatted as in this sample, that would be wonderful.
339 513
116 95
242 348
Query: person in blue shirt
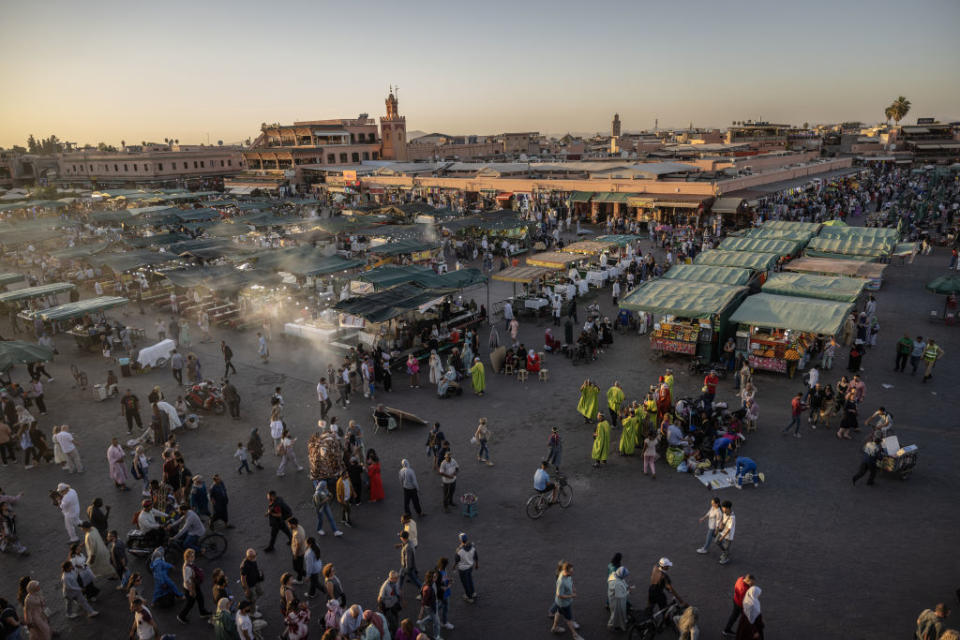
744 466
541 481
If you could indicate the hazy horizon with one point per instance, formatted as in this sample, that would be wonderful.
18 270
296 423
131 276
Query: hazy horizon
110 71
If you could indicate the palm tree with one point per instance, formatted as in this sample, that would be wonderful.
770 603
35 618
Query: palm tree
888 114
899 109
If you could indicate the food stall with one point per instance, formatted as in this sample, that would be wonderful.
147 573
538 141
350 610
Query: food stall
761 263
783 248
807 285
690 318
775 330
10 278
709 273
875 248
872 272
534 297
88 336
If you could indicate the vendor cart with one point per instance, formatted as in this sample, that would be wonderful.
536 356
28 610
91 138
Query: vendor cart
901 463
157 355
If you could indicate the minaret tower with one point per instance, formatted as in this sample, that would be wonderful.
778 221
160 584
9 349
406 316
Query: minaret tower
393 130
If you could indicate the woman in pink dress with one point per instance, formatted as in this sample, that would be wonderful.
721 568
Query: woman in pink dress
373 473
115 456
34 617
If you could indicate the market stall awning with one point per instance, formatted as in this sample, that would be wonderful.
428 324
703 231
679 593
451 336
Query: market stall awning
840 267
10 278
390 275
859 246
683 299
726 205
384 305
580 196
198 215
745 259
794 235
612 197
553 259
589 247
835 231
80 251
793 225
762 245
458 279
524 275
621 239
403 247
709 273
36 292
81 307
808 285
809 315
128 260
157 240
220 278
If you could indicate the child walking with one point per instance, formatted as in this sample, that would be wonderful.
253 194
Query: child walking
242 456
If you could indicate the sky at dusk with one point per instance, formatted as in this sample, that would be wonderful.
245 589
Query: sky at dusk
105 71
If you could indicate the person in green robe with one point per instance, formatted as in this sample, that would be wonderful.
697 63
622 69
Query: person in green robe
224 623
614 400
479 377
628 439
668 378
588 405
601 441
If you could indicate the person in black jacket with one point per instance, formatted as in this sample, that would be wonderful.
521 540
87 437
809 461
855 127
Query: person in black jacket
278 511
227 357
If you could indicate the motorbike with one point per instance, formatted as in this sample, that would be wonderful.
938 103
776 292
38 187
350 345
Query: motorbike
207 396
698 365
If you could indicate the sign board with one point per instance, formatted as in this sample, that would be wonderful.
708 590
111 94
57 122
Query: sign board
925 120
767 364
673 346
350 175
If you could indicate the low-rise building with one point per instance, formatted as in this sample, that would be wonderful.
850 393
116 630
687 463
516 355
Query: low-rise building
150 164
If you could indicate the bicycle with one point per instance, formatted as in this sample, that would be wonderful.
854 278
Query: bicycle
211 546
648 626
540 501
79 377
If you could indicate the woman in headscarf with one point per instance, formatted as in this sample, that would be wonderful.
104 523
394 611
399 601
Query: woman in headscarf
601 441
374 474
413 369
255 448
163 587
628 438
617 592
34 615
478 376
587 407
224 622
467 356
199 499
118 473
297 620
494 340
436 368
751 620
549 342
376 626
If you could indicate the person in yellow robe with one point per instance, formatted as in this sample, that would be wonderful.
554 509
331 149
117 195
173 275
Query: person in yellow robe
615 398
601 441
588 405
478 376
628 438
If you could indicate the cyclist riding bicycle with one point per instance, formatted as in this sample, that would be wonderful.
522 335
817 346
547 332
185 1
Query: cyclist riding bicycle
191 528
541 481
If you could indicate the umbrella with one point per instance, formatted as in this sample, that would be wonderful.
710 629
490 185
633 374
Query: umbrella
16 352
945 285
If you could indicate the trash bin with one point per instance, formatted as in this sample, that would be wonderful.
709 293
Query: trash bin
124 367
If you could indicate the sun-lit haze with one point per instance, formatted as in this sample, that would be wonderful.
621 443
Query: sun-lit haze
197 71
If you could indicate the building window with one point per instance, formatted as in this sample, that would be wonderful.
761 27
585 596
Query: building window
185 166
229 163
91 167
201 164
331 158
159 166
221 163
126 168
194 164
376 155
343 157
134 168
356 157
351 139
366 155
372 137
116 168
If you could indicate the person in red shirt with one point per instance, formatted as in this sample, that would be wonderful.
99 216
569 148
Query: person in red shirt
739 590
710 381
797 407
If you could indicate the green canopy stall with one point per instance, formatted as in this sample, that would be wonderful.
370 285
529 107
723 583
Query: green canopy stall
10 278
709 273
806 285
690 317
775 331
762 245
81 307
760 262
27 293
16 352
857 247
